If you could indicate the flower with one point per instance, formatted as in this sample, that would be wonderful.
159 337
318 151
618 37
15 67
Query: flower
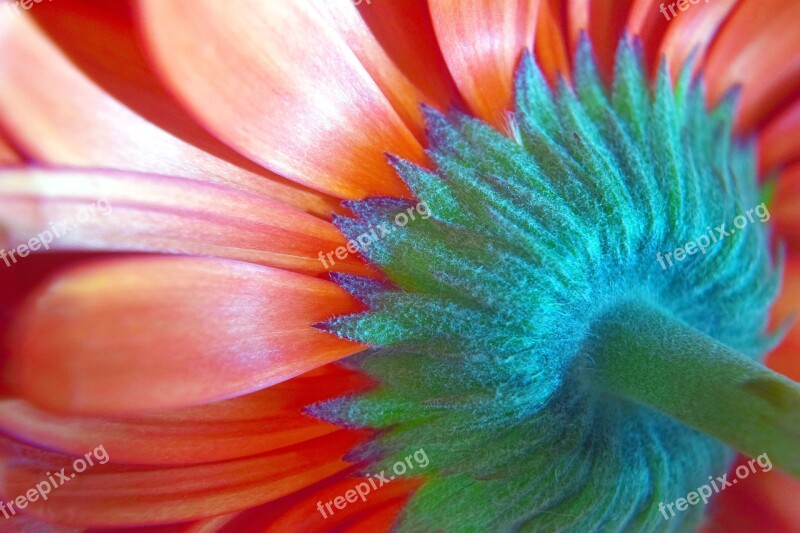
189 330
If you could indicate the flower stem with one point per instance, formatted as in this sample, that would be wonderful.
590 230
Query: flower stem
649 357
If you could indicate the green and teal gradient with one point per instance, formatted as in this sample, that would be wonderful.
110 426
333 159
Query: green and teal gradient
489 342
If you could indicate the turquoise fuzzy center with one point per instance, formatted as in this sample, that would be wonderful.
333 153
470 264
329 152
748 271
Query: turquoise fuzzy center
482 339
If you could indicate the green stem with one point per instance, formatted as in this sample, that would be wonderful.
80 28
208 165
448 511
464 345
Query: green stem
647 356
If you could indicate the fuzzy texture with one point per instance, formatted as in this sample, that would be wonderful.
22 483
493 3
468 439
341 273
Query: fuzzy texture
481 337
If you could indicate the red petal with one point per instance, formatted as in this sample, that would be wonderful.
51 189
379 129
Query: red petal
765 502
604 21
648 27
786 210
29 524
248 425
758 47
113 495
8 156
278 83
382 518
551 50
153 333
405 31
780 139
92 129
145 213
482 41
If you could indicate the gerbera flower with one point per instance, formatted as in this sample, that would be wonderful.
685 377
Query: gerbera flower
260 253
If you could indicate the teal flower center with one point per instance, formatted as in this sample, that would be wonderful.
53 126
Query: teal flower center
486 335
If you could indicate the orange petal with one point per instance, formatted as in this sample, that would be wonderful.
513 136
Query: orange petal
404 29
786 217
152 333
780 139
693 31
278 82
248 425
343 17
145 213
86 31
786 357
759 47
115 495
551 49
16 283
604 21
91 128
482 41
